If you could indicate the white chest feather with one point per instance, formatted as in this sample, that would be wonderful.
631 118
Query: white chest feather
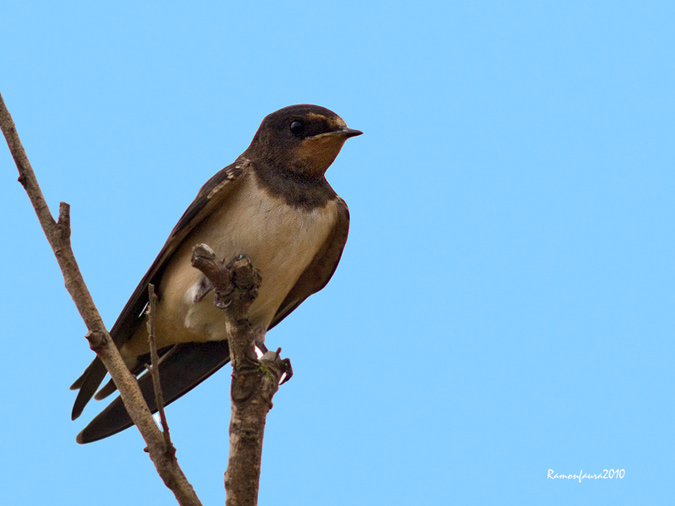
280 240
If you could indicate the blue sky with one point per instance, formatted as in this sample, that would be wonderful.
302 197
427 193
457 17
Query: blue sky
504 305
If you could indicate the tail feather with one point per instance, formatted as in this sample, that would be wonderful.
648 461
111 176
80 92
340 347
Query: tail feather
143 360
180 370
87 384
105 390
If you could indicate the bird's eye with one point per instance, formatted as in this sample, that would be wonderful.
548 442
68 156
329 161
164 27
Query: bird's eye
297 127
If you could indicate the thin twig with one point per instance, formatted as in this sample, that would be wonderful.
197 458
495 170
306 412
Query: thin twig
58 235
154 367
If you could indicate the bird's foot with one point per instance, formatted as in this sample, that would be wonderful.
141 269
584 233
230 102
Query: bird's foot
283 365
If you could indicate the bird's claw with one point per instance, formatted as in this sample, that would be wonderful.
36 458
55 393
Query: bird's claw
281 364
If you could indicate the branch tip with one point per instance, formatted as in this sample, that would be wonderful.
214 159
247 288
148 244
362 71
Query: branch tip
64 214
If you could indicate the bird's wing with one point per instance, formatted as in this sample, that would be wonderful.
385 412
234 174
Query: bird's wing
186 365
209 198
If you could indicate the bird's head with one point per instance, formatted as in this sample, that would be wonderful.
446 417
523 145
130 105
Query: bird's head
304 139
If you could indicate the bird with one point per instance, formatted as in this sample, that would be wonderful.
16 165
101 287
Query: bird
273 204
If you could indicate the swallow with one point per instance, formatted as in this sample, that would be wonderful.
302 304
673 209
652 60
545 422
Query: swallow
273 204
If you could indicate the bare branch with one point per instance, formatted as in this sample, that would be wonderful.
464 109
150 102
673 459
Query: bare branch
154 368
58 235
254 382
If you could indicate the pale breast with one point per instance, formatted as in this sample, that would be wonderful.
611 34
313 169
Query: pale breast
280 240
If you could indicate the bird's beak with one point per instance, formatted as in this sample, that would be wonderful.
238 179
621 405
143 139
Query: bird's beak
349 132
344 133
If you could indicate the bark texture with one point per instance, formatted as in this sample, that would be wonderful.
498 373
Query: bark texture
254 381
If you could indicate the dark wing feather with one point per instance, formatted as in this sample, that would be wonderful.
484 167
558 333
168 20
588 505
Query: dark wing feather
209 197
